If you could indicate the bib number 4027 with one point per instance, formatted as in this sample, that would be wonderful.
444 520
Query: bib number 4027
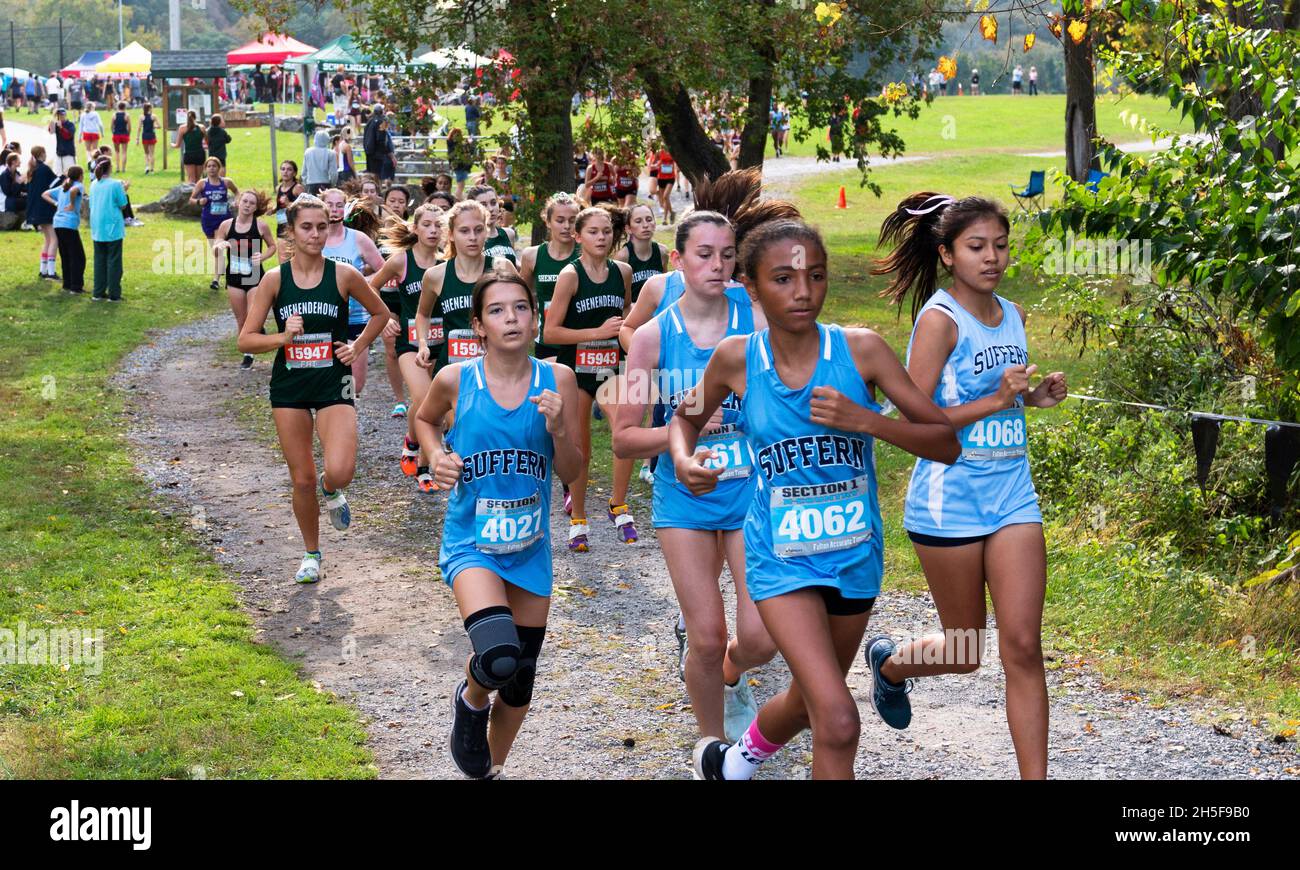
507 526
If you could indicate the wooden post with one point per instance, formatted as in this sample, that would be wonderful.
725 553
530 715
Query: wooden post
274 163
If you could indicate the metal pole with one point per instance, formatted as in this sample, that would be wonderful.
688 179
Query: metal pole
13 52
274 163
61 64
174 25
120 43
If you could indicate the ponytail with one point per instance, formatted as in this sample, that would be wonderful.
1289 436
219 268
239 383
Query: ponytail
922 223
73 177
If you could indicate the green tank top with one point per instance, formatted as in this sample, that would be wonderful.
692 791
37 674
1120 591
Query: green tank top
644 270
455 307
306 370
192 144
499 246
545 272
591 306
409 301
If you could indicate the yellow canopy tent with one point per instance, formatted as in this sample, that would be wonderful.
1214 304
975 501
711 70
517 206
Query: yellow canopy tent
135 58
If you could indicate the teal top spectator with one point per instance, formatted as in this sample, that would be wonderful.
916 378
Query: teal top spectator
107 199
67 213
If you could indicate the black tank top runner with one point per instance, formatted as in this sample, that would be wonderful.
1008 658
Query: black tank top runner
592 304
241 271
306 370
644 270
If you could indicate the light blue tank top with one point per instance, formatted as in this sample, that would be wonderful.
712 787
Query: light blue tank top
814 519
675 286
498 514
680 367
348 251
989 486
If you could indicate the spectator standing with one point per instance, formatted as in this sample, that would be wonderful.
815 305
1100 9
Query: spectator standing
54 88
1017 81
76 96
40 214
65 141
319 164
217 139
66 199
974 83
13 192
472 115
91 128
107 198
372 139
189 138
1033 81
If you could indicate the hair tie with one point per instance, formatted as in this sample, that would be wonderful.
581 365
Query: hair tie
939 200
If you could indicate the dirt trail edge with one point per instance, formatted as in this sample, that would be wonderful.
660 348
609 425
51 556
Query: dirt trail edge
382 630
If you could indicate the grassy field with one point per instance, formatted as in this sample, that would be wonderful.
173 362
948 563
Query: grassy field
184 691
86 546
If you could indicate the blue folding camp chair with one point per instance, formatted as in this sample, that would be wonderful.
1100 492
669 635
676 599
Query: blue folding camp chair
1033 191
1094 180
331 120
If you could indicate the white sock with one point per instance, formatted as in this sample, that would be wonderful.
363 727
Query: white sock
744 757
471 706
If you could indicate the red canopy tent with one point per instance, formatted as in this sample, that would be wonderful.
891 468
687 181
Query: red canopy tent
272 48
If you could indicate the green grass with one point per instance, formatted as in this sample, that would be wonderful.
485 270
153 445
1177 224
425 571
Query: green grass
1005 123
85 545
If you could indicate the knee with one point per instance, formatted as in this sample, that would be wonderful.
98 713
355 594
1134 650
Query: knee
518 690
838 726
304 481
341 471
1021 651
754 645
708 646
495 641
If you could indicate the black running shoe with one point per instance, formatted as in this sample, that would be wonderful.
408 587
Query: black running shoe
707 758
468 742
248 362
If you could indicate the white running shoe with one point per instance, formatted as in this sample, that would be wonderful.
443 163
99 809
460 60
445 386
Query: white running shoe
310 571
337 505
738 709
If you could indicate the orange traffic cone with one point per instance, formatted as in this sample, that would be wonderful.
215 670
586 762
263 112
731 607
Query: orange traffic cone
843 202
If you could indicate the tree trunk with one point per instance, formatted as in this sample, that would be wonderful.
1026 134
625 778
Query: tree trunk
550 136
753 138
1080 108
683 136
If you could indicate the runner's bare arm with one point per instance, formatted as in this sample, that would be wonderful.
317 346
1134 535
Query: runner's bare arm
251 339
923 429
441 398
568 462
724 374
933 343
370 252
631 439
430 290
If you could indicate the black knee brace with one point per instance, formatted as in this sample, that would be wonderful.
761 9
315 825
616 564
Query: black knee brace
518 692
496 646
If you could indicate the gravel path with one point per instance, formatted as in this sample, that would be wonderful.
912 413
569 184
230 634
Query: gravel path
382 631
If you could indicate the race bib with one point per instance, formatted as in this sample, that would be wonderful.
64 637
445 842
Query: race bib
821 518
218 208
996 437
666 168
282 216
462 344
241 266
507 525
596 356
313 351
435 332
732 454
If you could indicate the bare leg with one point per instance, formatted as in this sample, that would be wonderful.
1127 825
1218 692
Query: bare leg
819 649
692 558
294 426
956 578
752 646
1015 560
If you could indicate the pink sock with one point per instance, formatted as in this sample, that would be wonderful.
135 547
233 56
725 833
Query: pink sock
744 757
